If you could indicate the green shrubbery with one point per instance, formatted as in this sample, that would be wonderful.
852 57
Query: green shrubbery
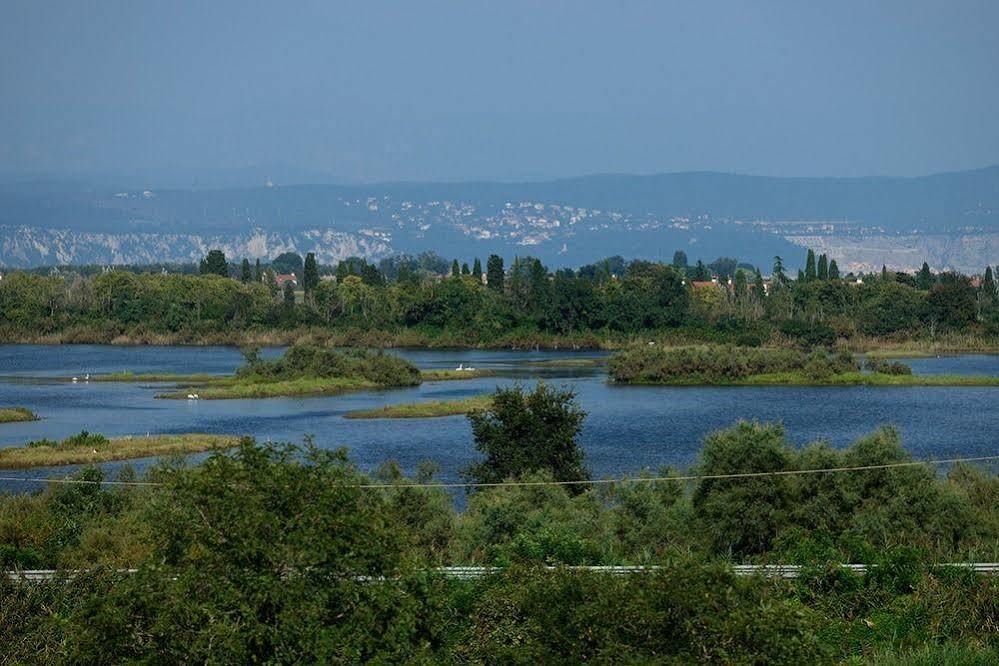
272 553
83 440
885 367
703 364
307 361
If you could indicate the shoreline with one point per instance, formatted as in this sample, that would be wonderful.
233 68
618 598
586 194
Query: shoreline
117 449
843 380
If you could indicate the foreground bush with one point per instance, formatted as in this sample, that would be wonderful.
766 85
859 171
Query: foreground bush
273 553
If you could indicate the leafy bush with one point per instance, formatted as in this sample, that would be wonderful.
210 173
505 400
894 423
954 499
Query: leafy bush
83 440
882 366
311 361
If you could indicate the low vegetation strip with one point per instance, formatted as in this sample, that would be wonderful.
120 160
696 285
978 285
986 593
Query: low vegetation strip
449 375
16 414
424 410
735 366
87 448
157 378
236 389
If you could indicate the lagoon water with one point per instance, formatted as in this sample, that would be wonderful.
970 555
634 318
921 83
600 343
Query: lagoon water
628 427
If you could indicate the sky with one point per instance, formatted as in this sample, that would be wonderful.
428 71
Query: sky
371 91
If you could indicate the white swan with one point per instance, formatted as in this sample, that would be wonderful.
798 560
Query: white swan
75 380
461 366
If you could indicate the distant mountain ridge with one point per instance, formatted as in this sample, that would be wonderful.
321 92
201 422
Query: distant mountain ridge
566 222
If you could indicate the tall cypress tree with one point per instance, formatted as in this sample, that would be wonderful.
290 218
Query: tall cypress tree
258 275
810 266
989 295
823 271
477 269
465 270
759 288
310 277
833 270
495 273
779 276
455 269
244 274
884 272
924 279
679 259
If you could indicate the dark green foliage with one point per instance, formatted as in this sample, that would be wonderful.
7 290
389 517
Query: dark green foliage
288 263
311 361
609 301
528 432
477 269
810 266
924 279
833 270
808 334
289 295
84 440
244 271
952 301
679 259
495 273
258 274
273 553
822 272
455 269
310 274
720 364
214 264
880 365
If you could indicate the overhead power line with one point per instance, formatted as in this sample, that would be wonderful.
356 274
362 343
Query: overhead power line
511 484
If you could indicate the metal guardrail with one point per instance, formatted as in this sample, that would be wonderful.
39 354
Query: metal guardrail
473 572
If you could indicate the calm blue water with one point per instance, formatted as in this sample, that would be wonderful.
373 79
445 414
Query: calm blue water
628 428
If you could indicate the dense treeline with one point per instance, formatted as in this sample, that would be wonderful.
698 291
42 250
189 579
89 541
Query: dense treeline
609 300
258 555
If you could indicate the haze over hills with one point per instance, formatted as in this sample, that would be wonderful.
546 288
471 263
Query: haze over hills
950 219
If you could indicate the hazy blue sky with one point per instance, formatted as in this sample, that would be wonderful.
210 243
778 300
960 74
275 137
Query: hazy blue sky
427 90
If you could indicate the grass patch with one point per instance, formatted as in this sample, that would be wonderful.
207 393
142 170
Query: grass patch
16 415
842 379
129 376
96 449
235 389
425 410
451 375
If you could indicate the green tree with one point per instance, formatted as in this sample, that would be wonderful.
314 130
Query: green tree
988 294
455 269
528 432
289 294
215 264
679 259
701 272
288 263
477 270
495 273
245 275
310 277
823 269
779 277
258 274
924 279
740 286
465 270
810 266
759 287
833 270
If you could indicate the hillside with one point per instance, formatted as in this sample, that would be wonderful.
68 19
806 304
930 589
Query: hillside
899 221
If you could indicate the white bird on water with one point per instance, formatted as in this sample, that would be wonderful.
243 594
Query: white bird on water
192 396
